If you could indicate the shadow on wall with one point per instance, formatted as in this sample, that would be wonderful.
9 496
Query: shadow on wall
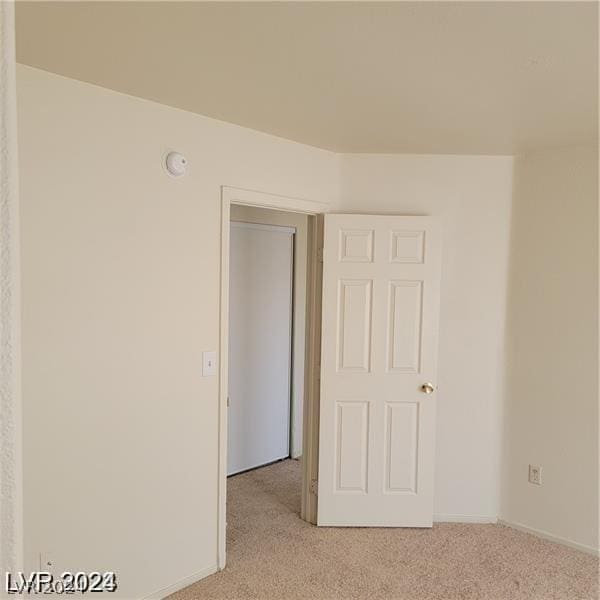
551 385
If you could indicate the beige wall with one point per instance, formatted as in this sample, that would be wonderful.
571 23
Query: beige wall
472 195
250 214
121 296
551 417
121 288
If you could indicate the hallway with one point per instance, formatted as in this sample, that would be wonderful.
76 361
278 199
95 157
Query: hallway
272 554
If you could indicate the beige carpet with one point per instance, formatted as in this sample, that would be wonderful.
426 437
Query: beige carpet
272 554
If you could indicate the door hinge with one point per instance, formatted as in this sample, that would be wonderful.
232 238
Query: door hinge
320 253
227 401
314 487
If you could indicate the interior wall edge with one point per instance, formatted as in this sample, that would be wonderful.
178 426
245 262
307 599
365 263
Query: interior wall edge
182 583
550 395
550 537
11 440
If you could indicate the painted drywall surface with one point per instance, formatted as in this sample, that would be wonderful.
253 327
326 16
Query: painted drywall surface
472 195
120 297
249 214
111 244
551 407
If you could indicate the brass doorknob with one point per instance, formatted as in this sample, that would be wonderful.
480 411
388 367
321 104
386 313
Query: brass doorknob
427 388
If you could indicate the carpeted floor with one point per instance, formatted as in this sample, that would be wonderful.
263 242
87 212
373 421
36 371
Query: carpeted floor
273 555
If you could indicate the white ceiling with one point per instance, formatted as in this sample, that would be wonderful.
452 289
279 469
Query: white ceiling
410 77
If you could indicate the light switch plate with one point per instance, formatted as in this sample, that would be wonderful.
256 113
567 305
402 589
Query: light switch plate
209 364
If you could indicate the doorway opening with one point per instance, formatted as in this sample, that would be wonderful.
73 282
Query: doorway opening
270 340
369 446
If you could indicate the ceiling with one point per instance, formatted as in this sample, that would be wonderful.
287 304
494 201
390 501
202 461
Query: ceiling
405 77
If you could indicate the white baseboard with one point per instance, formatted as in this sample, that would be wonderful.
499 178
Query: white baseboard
553 538
440 518
179 585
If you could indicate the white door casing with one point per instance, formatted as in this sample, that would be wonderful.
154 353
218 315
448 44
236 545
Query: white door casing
381 279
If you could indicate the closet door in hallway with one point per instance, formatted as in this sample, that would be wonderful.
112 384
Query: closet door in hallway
260 335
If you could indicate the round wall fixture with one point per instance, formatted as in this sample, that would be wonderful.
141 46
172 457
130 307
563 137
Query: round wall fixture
175 163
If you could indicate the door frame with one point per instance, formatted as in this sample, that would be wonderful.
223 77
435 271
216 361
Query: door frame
310 435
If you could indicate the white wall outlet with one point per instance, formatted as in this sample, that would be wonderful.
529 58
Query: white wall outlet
535 475
209 364
46 562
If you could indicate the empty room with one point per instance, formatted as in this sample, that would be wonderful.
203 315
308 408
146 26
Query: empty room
299 300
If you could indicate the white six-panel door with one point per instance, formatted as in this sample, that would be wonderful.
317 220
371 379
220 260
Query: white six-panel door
381 277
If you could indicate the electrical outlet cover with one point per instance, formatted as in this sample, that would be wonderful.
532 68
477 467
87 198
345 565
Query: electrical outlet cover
535 475
47 562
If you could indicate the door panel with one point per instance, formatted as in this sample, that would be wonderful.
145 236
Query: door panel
354 325
401 429
404 326
381 277
352 435
260 316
